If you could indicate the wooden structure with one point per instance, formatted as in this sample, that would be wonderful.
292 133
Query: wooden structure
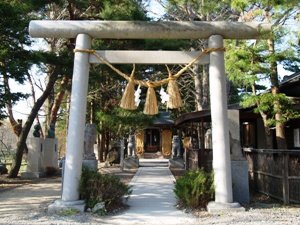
157 138
274 172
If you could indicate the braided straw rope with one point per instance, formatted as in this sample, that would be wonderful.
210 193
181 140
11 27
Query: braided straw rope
152 84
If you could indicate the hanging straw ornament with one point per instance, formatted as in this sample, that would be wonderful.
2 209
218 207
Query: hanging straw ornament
150 107
173 92
127 101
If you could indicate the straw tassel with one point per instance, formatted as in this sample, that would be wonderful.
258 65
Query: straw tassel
127 101
150 107
173 92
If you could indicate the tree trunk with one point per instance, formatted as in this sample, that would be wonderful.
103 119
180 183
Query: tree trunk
26 128
55 106
34 100
98 146
102 146
16 125
268 133
280 126
198 87
205 86
107 137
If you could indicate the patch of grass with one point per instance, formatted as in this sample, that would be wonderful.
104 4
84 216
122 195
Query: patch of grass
68 212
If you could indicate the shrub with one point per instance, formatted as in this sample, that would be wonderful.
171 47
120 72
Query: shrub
96 187
195 189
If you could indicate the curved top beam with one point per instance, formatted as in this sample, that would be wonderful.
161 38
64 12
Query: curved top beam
148 30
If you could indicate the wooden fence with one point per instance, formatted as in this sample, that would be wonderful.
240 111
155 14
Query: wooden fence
275 172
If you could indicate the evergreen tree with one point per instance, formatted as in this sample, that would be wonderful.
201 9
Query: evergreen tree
16 60
251 62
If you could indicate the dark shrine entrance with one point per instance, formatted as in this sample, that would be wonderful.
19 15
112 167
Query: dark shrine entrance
152 140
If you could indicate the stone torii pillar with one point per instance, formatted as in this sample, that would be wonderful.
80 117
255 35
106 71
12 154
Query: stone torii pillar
85 30
220 130
76 127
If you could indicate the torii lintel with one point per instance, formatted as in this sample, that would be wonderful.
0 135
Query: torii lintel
148 29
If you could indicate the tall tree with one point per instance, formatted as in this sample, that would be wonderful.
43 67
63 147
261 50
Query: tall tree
16 60
259 60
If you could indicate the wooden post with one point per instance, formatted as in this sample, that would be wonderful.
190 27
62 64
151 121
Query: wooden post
285 179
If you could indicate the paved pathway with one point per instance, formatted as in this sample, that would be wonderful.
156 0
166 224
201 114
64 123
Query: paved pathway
153 200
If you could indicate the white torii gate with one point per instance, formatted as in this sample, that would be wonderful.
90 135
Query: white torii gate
84 31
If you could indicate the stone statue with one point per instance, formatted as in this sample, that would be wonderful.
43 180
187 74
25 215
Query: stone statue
37 130
51 131
90 136
113 155
176 147
131 145
208 139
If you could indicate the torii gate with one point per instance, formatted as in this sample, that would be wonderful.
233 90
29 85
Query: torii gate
84 31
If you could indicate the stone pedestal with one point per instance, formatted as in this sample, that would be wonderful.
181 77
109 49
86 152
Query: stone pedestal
240 181
91 164
239 164
220 208
131 163
176 163
50 156
60 206
35 167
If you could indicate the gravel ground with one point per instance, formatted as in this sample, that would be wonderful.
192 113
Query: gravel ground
27 204
255 216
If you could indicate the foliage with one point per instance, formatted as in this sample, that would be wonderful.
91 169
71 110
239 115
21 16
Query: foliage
121 121
199 10
249 63
13 58
95 187
264 103
195 189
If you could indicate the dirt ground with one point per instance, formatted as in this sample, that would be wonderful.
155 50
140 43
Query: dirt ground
8 183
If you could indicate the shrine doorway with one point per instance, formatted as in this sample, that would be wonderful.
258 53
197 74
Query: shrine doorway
152 140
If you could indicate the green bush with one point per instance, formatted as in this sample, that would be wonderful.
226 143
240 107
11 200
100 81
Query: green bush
195 189
96 187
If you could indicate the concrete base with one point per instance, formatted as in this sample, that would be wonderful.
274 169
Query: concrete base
59 206
240 181
176 163
219 208
32 175
91 164
131 163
